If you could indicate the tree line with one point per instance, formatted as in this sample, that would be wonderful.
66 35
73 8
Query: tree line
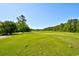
72 25
8 27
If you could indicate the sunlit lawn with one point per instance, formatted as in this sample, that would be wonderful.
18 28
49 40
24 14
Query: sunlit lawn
41 43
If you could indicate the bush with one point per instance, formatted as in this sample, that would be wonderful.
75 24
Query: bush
7 27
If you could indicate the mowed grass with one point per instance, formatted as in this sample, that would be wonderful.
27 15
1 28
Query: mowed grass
41 43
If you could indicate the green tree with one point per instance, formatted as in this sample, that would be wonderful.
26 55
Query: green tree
8 27
75 25
21 24
72 25
78 26
61 26
1 28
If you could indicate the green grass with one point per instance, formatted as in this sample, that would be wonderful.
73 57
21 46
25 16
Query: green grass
41 43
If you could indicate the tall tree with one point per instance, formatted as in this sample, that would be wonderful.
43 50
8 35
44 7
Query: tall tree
21 24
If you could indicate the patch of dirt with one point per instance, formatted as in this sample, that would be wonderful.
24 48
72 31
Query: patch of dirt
4 37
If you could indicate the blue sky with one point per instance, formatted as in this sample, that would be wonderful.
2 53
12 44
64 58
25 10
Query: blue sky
40 15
